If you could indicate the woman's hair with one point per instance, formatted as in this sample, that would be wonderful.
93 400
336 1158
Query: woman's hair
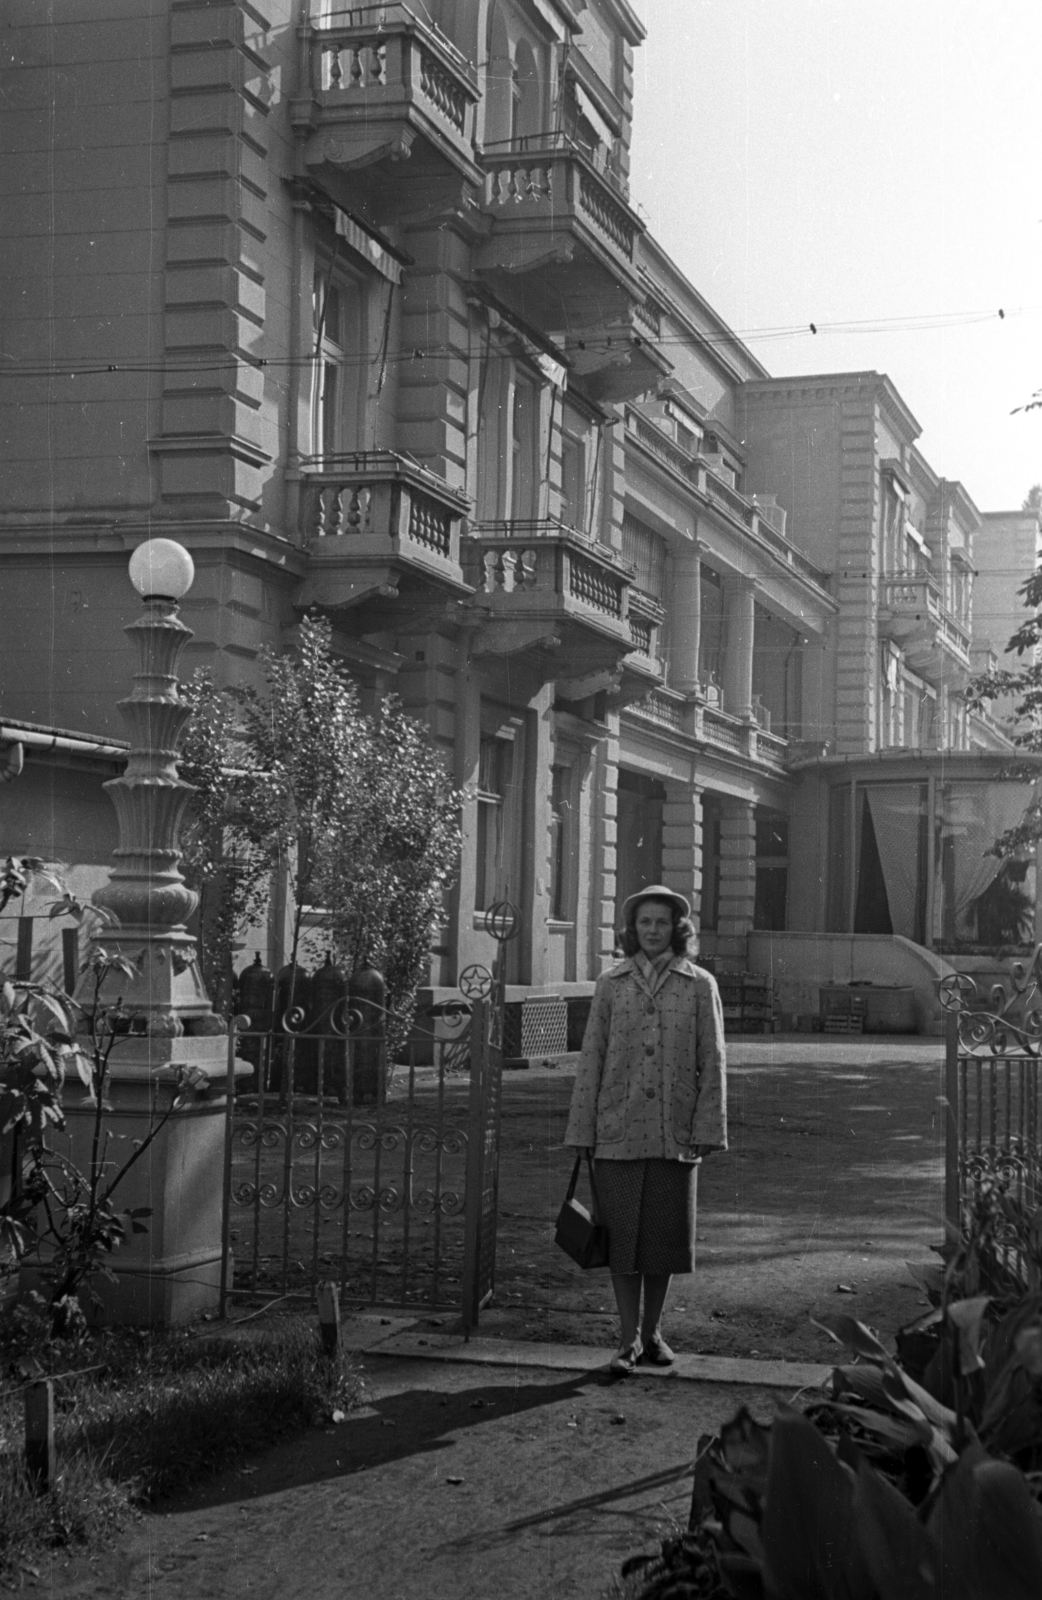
682 942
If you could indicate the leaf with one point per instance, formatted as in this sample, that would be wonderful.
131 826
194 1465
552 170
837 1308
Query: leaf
809 1549
897 1550
897 1432
986 1527
848 1331
58 1011
967 1316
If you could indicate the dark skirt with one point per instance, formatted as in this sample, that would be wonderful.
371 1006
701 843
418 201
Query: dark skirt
648 1208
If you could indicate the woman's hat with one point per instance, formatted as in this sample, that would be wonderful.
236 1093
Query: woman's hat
656 891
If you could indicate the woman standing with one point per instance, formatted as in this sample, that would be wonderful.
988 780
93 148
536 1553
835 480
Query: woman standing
650 1100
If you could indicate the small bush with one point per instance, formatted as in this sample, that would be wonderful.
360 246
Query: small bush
159 1412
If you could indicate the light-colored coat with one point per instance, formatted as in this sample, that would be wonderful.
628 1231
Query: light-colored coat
651 1077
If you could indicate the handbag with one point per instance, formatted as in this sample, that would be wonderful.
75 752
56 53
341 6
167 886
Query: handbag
578 1233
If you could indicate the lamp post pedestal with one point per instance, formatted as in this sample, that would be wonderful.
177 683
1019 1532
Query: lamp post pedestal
172 1272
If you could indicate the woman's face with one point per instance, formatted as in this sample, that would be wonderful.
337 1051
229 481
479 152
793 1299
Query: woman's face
654 925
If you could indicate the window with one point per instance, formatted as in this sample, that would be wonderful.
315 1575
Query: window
573 481
336 411
495 774
562 843
959 589
524 442
508 439
711 630
772 870
709 907
641 802
645 550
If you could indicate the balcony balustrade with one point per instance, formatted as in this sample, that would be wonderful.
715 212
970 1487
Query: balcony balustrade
373 524
541 583
387 88
565 228
912 613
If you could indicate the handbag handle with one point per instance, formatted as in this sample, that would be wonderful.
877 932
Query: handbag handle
575 1179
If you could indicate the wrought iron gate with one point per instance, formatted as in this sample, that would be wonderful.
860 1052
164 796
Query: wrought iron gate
993 1070
394 1200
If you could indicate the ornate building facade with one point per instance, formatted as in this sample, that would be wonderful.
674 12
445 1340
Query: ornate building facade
355 304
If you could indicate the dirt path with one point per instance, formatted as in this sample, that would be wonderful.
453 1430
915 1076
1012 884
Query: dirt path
834 1176
452 1483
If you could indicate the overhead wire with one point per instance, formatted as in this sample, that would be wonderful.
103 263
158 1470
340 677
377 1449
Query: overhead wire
24 367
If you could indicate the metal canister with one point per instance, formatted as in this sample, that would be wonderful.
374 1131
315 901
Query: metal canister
327 1022
255 992
367 996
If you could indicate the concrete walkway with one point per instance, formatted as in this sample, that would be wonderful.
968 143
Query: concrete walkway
373 1335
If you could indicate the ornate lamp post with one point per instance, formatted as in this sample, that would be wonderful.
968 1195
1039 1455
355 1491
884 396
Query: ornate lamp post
172 1272
146 892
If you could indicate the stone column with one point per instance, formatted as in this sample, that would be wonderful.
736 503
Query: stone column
685 617
177 1048
740 622
737 872
682 842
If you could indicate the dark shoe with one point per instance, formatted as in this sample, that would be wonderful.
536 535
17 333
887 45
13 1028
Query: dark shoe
626 1359
657 1352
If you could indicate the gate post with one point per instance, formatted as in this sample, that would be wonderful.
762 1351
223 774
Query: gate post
479 1041
951 1120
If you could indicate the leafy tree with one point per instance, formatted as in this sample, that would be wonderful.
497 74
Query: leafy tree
356 811
221 859
391 857
1024 683
301 741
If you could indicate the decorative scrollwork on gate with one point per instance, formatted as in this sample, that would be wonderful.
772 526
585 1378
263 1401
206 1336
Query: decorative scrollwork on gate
1003 1019
450 1202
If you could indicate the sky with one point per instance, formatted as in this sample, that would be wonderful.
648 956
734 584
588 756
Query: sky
875 163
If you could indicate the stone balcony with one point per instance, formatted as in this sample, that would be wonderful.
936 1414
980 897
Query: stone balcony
379 528
695 718
697 473
387 91
935 643
543 587
562 231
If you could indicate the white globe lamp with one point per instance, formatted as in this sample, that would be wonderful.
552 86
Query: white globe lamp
161 569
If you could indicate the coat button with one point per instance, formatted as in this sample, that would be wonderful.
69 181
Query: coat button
649 1049
650 1093
650 1008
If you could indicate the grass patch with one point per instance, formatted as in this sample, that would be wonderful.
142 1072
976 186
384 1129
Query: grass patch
161 1411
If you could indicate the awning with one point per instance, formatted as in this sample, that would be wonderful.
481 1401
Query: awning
367 246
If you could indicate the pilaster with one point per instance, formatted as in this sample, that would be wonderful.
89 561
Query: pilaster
737 869
433 380
857 667
682 842
685 617
214 442
740 623
603 840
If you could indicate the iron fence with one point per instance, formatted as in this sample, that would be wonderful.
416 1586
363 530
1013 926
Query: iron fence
992 1099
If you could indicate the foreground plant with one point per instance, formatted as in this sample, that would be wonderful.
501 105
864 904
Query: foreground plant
879 1491
61 1219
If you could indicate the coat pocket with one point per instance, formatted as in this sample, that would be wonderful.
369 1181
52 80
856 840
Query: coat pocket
685 1100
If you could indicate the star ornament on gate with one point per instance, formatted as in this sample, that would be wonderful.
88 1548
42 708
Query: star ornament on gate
475 982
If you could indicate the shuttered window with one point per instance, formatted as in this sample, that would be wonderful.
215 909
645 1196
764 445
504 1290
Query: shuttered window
645 550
